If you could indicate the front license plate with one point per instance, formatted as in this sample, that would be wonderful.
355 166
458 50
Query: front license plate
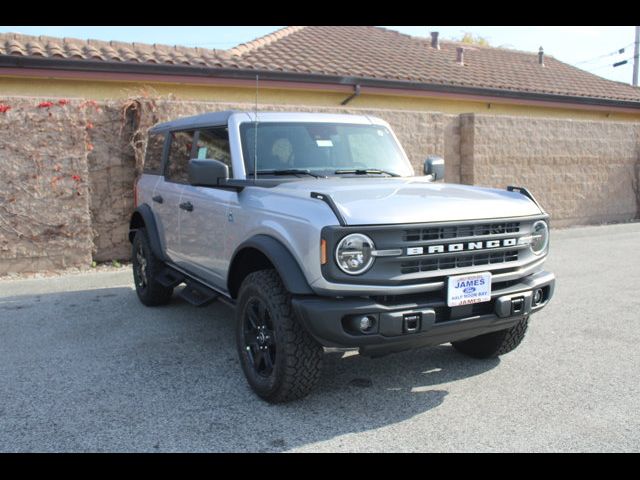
467 289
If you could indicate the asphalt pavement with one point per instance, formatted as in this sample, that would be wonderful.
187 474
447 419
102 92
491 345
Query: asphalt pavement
85 367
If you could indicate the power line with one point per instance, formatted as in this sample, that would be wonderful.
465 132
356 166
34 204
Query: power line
616 52
610 65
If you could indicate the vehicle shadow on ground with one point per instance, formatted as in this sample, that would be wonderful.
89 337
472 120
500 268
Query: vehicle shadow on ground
95 370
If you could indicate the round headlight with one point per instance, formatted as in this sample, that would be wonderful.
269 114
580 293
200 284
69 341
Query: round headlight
353 254
539 237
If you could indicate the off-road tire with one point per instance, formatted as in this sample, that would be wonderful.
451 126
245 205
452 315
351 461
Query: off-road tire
296 358
150 292
493 344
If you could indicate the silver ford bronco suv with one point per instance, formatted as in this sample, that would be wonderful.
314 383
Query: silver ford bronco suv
315 228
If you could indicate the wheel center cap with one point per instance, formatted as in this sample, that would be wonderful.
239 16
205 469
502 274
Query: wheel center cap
261 338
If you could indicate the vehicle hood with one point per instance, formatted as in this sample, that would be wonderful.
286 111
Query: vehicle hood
367 201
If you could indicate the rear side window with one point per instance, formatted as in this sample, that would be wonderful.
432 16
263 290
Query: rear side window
180 152
213 143
153 156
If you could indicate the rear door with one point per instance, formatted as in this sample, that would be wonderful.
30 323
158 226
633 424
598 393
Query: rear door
168 191
203 228
152 170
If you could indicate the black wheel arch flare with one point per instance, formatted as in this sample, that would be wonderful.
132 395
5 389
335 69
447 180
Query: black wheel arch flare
278 255
142 217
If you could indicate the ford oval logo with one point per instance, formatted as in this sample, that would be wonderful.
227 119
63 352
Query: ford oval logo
469 290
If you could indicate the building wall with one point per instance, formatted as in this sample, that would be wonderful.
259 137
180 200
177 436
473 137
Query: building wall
112 170
44 196
582 172
67 191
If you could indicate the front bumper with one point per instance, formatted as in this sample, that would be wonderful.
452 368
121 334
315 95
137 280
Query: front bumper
413 321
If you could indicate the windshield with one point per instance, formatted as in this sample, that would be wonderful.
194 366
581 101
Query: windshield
322 149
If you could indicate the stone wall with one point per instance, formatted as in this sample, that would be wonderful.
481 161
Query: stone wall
69 167
452 138
44 196
111 165
582 172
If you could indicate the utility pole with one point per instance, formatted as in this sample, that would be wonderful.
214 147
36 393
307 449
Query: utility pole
636 52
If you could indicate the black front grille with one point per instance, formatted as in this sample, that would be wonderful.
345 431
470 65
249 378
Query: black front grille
459 231
458 261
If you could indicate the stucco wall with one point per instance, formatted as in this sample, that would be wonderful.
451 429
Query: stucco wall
210 89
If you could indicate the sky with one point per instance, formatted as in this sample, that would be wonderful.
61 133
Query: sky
594 49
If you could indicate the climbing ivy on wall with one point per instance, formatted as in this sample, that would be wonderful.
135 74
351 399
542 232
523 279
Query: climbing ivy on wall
44 185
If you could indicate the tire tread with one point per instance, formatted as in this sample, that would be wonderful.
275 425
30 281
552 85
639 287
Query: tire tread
303 355
155 294
494 344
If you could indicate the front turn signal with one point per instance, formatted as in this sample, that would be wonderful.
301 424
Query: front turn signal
323 252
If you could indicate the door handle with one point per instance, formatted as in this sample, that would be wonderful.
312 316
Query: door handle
158 199
188 206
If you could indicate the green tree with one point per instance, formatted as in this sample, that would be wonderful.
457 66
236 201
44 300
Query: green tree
472 39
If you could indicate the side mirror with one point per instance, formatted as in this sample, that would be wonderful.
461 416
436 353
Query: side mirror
434 166
207 172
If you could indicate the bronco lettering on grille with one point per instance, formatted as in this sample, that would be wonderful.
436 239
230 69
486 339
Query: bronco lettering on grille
462 247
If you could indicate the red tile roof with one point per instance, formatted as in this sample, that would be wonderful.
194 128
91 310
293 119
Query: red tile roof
361 52
98 50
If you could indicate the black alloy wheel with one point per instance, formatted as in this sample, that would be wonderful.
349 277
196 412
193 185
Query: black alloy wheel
140 267
146 267
259 337
279 358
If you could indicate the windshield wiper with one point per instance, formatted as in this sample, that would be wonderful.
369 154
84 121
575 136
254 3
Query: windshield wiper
287 171
366 172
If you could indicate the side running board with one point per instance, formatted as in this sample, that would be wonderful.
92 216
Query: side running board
194 292
169 278
197 294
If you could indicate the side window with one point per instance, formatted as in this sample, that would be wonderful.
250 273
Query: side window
213 143
153 156
180 150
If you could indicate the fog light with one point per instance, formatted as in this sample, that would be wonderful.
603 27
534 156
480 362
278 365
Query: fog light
361 324
537 296
364 323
